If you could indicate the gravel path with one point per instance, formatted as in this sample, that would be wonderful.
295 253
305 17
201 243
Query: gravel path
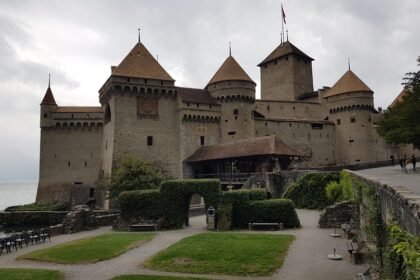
306 259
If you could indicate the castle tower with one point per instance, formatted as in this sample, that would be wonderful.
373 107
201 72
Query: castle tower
140 109
286 74
350 105
235 90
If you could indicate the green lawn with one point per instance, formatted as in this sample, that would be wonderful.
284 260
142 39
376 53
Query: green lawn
154 277
224 253
29 274
90 250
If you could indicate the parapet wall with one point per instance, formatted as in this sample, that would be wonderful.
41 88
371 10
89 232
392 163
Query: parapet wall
397 203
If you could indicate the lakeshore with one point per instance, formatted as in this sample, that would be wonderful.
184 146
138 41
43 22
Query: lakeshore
17 193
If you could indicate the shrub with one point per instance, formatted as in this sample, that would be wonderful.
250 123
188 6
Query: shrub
224 216
309 191
257 194
176 196
144 203
342 190
240 203
135 174
274 211
37 207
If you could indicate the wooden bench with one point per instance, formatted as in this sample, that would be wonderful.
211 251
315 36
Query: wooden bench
143 227
354 248
265 225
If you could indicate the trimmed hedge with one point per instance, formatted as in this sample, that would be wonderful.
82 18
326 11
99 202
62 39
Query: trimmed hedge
274 211
258 194
224 217
37 207
176 196
142 203
240 203
309 191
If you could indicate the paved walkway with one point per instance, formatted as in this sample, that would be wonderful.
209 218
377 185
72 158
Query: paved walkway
393 175
306 259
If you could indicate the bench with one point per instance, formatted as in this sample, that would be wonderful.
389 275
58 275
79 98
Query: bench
272 226
143 227
354 248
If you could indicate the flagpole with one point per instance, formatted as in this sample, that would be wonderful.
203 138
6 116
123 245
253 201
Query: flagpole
282 24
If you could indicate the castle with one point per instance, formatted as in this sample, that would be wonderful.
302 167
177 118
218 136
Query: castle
219 131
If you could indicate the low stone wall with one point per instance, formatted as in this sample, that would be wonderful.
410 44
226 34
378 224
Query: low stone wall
32 218
397 203
106 220
340 213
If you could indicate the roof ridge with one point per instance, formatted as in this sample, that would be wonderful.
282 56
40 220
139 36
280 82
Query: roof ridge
284 49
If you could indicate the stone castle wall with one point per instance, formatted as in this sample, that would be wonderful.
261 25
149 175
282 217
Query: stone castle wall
290 109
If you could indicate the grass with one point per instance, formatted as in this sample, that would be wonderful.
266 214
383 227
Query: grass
90 250
153 277
29 274
224 253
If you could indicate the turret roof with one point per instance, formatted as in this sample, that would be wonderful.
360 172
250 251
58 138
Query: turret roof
284 49
230 71
400 97
139 63
48 98
349 82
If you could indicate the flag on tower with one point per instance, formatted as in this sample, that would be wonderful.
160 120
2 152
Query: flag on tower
283 14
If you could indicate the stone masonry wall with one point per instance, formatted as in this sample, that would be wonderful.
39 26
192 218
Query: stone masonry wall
397 203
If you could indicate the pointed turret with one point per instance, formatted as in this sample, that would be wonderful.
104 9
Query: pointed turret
348 83
230 71
48 98
139 63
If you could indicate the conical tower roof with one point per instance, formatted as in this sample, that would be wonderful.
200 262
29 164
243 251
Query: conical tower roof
48 98
230 71
400 97
349 82
284 49
139 63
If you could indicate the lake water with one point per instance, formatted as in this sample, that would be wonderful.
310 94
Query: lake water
17 193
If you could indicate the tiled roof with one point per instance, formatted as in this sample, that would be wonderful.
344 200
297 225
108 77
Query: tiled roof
349 82
139 63
400 97
230 71
284 49
48 98
195 95
78 109
268 145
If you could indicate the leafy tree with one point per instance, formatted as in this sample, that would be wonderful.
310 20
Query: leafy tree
342 190
401 123
135 174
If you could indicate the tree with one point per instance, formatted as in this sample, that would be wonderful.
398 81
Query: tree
401 122
135 174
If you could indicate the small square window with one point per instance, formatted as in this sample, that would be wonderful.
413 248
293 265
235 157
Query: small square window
202 140
235 112
45 115
352 119
149 140
338 121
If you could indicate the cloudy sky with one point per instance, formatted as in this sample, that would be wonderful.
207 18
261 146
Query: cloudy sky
77 41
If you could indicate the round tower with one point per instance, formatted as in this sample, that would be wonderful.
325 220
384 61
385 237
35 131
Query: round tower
350 105
235 91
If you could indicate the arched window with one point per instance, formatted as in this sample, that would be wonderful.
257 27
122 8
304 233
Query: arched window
107 116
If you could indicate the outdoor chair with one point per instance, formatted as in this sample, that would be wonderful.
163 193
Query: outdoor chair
34 237
22 238
2 245
11 243
44 234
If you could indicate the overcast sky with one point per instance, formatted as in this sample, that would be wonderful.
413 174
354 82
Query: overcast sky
77 41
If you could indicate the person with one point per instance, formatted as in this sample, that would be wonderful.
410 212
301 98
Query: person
404 163
400 160
392 160
413 161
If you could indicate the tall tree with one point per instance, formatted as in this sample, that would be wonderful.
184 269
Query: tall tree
401 122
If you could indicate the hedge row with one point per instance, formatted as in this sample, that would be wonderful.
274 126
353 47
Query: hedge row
274 211
37 207
309 191
141 203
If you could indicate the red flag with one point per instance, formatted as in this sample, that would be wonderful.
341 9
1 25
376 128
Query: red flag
283 14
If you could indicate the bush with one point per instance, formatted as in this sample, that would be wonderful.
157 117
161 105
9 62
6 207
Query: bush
140 204
176 196
224 216
135 174
240 203
37 207
342 190
257 194
274 211
309 191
